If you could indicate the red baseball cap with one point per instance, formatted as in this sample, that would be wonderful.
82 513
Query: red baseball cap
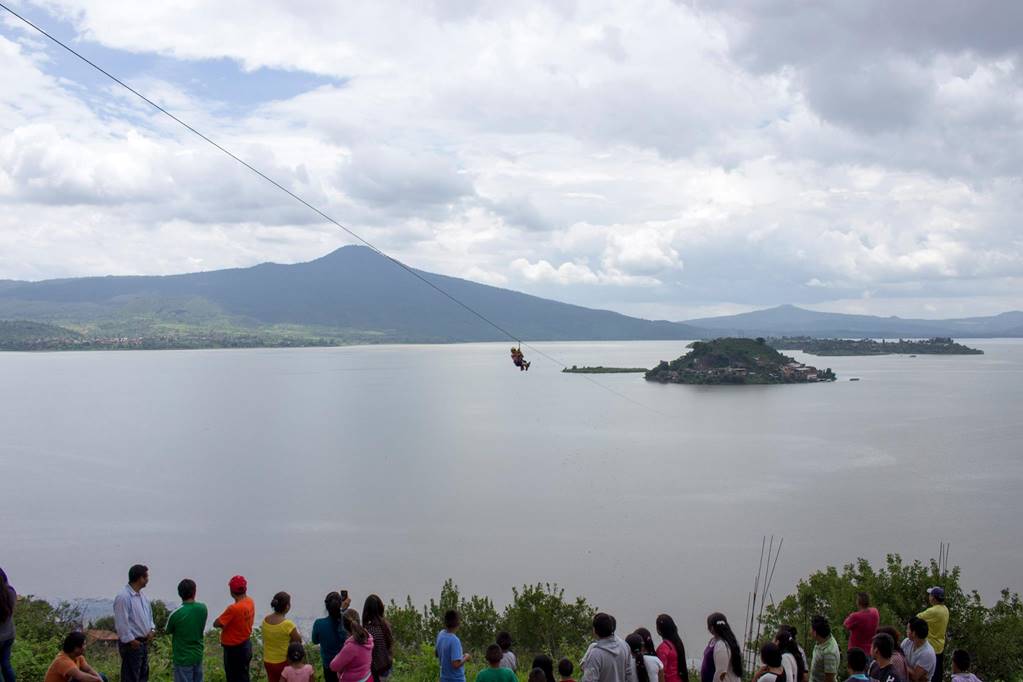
237 584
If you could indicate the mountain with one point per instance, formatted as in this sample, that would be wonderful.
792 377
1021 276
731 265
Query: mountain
788 320
355 295
352 294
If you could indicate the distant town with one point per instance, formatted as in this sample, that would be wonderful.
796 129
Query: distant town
814 346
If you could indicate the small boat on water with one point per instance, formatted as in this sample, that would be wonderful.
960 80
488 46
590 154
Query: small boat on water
912 356
854 378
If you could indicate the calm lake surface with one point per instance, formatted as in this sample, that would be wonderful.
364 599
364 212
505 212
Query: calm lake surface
390 468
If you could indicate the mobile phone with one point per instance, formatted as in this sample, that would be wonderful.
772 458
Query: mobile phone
344 594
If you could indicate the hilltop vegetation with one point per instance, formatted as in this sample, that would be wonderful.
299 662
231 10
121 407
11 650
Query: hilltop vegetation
933 346
735 361
27 335
542 620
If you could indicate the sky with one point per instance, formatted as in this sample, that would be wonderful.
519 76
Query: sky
663 159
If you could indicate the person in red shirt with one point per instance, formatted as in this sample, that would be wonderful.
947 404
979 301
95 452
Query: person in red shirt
671 650
862 623
235 625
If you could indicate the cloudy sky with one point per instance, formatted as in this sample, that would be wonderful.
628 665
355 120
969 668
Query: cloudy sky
664 159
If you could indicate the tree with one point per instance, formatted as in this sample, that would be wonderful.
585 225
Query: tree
541 620
407 624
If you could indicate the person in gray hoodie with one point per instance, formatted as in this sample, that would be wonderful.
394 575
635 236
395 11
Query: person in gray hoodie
608 659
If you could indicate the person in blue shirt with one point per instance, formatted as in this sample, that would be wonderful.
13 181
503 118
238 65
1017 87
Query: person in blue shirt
449 649
330 633
133 620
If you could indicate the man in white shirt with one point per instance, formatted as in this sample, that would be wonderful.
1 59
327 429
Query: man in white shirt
920 657
133 618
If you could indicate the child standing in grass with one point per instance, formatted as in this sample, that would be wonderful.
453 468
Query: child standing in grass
495 672
565 670
297 669
508 659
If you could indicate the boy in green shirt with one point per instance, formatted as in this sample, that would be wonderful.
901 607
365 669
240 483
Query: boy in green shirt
187 626
495 673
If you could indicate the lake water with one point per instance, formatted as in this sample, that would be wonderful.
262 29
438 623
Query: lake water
389 469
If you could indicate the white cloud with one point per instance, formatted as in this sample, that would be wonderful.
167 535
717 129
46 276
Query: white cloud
566 273
478 274
693 158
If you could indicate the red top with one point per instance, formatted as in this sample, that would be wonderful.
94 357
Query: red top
862 626
669 657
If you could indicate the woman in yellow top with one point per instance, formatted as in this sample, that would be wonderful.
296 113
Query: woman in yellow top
278 633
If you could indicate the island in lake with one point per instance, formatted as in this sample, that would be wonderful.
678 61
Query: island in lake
935 346
736 361
574 369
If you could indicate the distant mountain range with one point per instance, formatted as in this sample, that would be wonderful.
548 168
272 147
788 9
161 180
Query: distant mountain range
354 295
788 320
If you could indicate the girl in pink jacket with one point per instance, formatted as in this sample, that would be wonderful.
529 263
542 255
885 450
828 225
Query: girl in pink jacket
353 662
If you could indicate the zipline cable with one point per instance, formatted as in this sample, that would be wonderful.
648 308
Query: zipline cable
412 271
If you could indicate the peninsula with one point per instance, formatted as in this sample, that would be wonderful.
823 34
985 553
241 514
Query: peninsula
813 346
603 370
736 361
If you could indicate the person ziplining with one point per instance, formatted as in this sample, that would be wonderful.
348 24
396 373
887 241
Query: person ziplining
519 359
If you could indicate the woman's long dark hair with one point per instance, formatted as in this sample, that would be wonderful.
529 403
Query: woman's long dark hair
648 641
373 611
719 627
788 645
373 614
668 631
546 664
7 598
335 607
635 642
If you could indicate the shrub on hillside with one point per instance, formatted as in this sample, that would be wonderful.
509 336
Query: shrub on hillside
541 620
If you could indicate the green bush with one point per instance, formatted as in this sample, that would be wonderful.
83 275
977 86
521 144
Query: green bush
407 624
540 620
